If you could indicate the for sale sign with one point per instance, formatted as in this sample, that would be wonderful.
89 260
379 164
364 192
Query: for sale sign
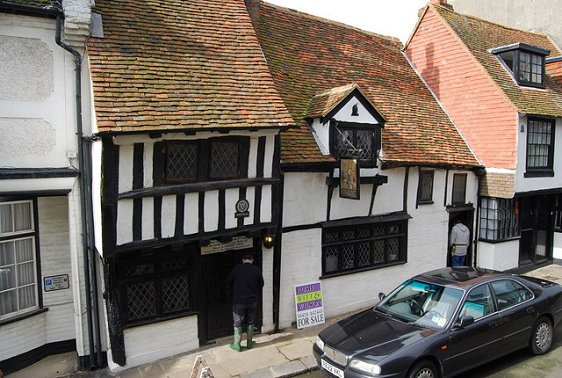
309 305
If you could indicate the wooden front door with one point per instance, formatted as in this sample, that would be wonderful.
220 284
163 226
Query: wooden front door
217 299
536 223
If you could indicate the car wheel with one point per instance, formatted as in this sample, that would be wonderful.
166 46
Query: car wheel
423 369
542 336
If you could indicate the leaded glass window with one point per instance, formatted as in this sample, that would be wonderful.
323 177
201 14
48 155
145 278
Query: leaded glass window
364 246
425 189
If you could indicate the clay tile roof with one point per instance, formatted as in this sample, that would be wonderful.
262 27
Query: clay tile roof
324 102
481 36
308 55
180 65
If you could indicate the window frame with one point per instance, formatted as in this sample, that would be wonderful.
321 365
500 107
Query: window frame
540 171
511 58
423 176
33 235
376 143
502 221
515 282
401 236
455 189
157 276
204 160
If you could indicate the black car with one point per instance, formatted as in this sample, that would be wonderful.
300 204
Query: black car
442 323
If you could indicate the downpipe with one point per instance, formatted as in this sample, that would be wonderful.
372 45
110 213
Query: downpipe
94 339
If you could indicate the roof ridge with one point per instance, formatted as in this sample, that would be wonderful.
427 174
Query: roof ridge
334 22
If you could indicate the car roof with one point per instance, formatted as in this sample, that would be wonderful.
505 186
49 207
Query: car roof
460 277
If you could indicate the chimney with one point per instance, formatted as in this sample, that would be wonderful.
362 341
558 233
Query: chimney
253 7
442 3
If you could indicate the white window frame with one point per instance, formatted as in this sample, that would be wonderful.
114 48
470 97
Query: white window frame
14 236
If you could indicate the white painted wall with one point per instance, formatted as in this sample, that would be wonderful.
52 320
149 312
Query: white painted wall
35 77
305 203
149 343
528 184
498 256
56 324
557 246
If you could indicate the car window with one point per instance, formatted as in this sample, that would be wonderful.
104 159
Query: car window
424 304
509 293
478 303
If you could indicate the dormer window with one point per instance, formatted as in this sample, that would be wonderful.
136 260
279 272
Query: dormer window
524 62
354 140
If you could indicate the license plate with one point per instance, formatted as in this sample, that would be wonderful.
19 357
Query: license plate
332 369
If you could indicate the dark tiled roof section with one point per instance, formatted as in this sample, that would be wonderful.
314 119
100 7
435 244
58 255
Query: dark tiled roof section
181 65
308 55
479 36
47 6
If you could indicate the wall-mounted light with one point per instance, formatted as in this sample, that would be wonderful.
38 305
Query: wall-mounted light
268 241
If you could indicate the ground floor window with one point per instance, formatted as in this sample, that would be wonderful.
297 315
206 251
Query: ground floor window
155 286
362 246
499 218
18 266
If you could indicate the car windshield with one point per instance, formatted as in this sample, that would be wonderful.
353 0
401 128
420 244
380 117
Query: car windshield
421 303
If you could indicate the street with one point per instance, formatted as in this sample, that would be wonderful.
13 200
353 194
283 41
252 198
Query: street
520 364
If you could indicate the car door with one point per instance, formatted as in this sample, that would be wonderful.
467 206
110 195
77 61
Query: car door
517 313
480 341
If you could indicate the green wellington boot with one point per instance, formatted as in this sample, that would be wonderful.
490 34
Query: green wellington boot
237 337
251 331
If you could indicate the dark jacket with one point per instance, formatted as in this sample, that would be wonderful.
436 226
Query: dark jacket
245 281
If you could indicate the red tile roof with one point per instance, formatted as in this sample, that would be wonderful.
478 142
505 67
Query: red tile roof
308 55
480 36
180 65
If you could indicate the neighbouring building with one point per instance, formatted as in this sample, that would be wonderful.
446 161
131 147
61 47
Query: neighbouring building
541 16
501 87
375 173
46 300
187 159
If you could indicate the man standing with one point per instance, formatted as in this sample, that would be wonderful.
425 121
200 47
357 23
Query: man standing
459 241
246 281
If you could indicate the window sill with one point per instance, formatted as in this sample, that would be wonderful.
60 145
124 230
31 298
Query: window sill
21 317
539 173
161 319
375 267
500 240
425 203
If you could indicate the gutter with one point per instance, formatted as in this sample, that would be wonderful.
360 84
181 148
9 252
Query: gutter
84 145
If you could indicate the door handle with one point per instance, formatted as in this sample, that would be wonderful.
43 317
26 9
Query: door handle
530 310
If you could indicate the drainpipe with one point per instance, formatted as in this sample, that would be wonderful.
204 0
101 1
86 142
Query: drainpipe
86 210
479 174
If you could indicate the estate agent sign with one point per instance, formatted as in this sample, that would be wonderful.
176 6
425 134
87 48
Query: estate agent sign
309 305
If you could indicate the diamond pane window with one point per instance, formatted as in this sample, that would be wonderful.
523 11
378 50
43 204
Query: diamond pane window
155 287
224 160
201 160
354 141
425 187
364 246
182 162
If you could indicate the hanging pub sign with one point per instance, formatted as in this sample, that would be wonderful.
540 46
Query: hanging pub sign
309 304
349 179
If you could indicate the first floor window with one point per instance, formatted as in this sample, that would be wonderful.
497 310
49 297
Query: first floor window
155 287
499 219
425 187
18 275
354 141
459 188
540 145
188 161
357 247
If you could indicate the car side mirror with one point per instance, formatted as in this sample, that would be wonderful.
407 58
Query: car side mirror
464 321
382 296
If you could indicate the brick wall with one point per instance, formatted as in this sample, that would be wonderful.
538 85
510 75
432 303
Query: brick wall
474 102
501 185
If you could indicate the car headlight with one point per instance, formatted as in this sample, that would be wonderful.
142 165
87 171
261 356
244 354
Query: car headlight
366 367
319 343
